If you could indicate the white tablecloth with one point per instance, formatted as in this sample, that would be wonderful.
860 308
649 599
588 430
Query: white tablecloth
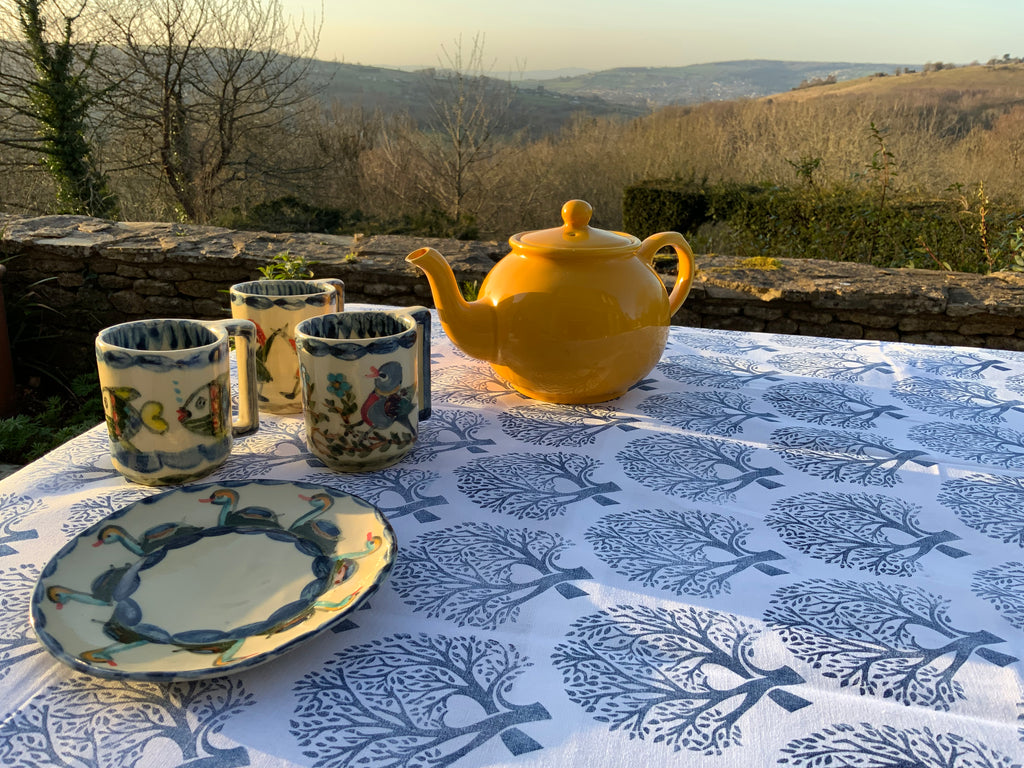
773 551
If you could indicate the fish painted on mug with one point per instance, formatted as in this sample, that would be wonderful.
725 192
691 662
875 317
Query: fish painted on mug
125 421
207 411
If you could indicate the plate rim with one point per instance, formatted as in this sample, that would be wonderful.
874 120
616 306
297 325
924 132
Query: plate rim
54 647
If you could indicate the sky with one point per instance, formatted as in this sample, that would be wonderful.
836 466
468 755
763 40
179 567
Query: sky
529 35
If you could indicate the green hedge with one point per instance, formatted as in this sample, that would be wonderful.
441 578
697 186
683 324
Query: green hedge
839 224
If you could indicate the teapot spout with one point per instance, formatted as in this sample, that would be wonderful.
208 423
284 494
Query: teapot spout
471 326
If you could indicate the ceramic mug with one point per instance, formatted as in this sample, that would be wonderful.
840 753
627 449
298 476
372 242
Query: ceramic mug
166 388
276 307
365 385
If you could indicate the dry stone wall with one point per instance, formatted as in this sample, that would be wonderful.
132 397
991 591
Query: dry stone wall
95 273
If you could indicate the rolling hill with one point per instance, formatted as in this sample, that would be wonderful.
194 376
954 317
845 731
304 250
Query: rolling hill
545 104
721 81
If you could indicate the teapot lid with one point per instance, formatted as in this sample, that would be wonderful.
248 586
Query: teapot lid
575 234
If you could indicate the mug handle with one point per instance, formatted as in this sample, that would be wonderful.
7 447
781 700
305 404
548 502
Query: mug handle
422 317
244 332
339 288
685 271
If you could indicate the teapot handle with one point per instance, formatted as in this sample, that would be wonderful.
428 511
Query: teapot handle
687 265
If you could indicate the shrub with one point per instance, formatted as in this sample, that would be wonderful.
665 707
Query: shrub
965 233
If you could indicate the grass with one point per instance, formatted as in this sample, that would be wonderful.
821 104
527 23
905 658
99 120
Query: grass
48 418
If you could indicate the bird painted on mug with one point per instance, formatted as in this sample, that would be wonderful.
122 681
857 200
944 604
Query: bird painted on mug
207 411
390 401
125 421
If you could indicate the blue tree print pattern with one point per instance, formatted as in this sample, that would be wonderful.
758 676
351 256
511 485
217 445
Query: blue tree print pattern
447 431
17 640
839 365
74 464
84 513
948 363
83 721
13 530
990 504
658 673
396 491
716 371
981 443
869 532
562 425
535 486
278 443
693 467
388 703
885 746
683 551
830 404
469 385
716 412
892 641
818 343
845 457
966 400
711 340
1016 384
1003 587
479 575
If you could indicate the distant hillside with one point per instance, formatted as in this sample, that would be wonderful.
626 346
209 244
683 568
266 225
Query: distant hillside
546 104
394 90
721 81
988 84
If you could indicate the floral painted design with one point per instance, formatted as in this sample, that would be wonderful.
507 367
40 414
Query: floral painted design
339 426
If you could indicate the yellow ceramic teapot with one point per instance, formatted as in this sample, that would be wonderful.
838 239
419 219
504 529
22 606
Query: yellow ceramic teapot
573 314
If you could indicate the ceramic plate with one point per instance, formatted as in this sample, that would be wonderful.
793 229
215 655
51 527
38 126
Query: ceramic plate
210 579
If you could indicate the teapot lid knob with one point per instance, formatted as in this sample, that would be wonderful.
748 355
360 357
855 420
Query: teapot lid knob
576 214
575 236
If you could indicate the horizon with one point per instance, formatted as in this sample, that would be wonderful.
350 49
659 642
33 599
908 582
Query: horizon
535 36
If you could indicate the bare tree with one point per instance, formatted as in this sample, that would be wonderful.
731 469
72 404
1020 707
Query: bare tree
46 101
203 90
447 165
469 108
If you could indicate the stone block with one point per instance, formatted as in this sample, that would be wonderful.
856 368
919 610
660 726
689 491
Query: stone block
1015 343
806 317
738 323
204 290
868 319
129 270
811 329
990 326
764 313
70 280
936 338
128 302
114 282
919 323
881 334
785 325
170 274
167 306
146 287
207 308
102 266
844 331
